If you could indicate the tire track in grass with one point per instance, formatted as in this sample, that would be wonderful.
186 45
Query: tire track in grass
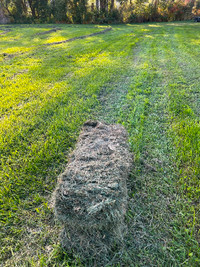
140 103
183 114
187 58
79 37
176 242
27 96
152 193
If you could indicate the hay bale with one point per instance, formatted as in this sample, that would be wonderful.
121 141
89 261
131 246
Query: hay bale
91 195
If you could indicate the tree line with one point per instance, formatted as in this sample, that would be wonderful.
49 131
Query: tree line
99 11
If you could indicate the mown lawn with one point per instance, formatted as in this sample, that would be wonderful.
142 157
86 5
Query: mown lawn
144 76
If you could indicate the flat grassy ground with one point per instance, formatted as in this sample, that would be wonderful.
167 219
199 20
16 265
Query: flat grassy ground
144 76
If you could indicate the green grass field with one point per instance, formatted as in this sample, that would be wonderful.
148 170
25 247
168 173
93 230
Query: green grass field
144 76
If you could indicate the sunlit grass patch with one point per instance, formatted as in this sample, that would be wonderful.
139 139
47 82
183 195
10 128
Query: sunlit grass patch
186 131
15 50
62 35
42 111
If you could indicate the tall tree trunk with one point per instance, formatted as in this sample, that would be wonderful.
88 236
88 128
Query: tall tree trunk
103 5
97 5
112 4
32 8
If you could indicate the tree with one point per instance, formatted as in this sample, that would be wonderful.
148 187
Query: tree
39 9
59 10
32 4
79 10
43 10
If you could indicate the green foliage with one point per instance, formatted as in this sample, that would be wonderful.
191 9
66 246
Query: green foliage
18 11
78 10
106 11
145 11
43 10
59 10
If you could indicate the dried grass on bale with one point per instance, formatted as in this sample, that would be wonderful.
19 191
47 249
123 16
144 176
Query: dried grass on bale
91 194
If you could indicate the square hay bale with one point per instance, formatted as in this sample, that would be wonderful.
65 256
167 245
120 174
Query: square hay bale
91 195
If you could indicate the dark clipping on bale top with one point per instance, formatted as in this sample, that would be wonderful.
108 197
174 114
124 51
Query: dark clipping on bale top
91 195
